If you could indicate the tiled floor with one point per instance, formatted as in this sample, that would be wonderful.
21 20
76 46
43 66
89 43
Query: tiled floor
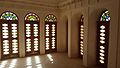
56 60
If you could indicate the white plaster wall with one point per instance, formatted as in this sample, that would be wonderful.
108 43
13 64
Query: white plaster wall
118 47
118 51
91 10
74 36
73 42
61 32
69 36
92 13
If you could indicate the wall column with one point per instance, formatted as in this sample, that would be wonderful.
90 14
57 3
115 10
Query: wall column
73 37
21 37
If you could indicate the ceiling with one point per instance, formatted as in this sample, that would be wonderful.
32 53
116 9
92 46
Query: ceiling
38 1
48 3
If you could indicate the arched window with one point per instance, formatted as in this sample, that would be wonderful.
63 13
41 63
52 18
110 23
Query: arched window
81 28
9 38
105 16
50 18
103 39
31 17
32 34
50 33
8 16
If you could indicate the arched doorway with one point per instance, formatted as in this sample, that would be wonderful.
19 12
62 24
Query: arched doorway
9 35
32 34
103 39
50 33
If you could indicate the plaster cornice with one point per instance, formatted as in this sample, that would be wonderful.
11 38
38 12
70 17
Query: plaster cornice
39 5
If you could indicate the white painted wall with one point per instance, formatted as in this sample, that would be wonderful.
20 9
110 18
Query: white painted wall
91 9
118 46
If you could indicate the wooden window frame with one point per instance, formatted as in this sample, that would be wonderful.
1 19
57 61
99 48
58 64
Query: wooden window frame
32 38
9 22
50 37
